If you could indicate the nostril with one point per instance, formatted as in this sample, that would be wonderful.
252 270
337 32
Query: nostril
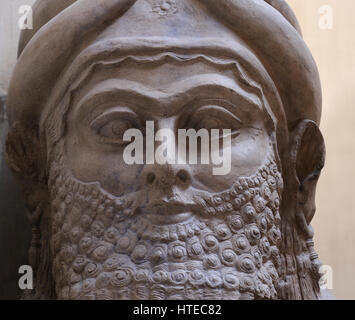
150 178
183 176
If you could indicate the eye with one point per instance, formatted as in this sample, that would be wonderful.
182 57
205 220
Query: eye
110 127
210 123
214 117
115 129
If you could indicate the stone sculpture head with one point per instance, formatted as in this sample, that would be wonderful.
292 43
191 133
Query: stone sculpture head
103 229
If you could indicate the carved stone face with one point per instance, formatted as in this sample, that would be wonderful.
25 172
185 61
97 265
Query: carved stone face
106 229
175 95
167 231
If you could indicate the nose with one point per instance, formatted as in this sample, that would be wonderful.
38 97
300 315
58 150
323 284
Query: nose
167 176
167 171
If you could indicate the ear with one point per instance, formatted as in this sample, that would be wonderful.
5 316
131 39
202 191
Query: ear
307 156
23 156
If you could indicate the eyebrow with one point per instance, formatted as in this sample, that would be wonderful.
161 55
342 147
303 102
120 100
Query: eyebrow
185 91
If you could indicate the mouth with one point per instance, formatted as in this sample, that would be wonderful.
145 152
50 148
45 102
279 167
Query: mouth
167 212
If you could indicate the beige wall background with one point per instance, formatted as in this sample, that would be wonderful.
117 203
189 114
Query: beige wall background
334 51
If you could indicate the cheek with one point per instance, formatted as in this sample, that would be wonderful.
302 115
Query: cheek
108 168
248 153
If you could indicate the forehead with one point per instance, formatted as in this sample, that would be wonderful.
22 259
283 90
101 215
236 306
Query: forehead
162 82
158 75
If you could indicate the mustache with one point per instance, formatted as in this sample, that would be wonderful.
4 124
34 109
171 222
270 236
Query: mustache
146 201
197 202
263 188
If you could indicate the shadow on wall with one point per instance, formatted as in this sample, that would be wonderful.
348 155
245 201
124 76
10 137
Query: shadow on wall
15 230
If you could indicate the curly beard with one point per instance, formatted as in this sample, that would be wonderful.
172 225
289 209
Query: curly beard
104 248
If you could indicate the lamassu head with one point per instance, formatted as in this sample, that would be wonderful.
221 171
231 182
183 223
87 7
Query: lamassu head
103 228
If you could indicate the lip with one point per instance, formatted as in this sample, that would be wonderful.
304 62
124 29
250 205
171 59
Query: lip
169 219
167 212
